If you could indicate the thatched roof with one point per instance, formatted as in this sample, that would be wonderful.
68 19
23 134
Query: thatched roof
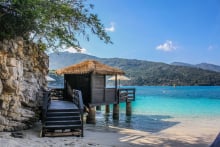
90 66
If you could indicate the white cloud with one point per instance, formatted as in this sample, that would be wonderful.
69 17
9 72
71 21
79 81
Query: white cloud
83 50
167 46
78 50
111 28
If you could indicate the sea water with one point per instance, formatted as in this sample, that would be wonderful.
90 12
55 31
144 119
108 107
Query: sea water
155 106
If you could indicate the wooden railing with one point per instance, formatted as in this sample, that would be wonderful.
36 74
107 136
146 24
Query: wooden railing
77 100
46 102
126 94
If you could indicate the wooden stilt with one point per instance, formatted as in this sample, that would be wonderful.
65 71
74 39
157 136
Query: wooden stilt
116 111
107 109
128 108
98 108
91 116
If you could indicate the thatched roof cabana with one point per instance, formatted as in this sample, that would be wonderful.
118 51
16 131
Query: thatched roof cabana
90 66
90 78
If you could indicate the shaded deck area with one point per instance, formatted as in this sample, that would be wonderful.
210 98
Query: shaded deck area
60 104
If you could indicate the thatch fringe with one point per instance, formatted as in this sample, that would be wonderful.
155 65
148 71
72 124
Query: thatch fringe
90 66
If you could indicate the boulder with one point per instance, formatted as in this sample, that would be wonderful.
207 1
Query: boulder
23 68
11 62
4 46
1 87
4 105
14 115
6 97
3 121
4 74
20 70
10 85
13 72
27 113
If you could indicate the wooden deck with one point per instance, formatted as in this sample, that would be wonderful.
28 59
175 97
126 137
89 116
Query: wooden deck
59 104
62 118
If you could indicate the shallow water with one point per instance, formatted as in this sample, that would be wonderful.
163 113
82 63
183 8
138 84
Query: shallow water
155 106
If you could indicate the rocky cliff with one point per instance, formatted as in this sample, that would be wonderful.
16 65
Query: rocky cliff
23 67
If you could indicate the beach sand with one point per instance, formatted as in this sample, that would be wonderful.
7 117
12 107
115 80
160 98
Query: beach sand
187 133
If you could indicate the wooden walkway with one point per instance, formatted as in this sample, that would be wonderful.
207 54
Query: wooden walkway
59 104
63 118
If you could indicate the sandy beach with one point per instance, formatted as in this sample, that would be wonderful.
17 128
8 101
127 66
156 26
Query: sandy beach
187 133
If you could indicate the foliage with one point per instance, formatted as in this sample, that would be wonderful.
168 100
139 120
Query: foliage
153 73
56 23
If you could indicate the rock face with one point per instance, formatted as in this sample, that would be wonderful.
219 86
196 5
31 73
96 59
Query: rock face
23 67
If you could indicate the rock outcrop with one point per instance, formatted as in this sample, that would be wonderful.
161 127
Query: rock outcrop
23 67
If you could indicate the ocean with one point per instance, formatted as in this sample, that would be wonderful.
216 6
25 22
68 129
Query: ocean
156 107
159 107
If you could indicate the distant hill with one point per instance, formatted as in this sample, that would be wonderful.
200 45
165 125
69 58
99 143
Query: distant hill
62 59
205 66
182 64
144 72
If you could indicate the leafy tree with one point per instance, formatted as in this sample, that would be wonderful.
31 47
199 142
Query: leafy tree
55 23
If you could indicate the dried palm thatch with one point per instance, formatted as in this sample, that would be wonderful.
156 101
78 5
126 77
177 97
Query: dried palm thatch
90 66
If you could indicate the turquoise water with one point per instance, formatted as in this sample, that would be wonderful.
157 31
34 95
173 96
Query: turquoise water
154 105
191 101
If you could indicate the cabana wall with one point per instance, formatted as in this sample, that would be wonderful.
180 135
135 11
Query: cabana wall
99 93
93 87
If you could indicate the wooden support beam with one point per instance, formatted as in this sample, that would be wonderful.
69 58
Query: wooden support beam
128 108
107 109
98 108
116 111
91 116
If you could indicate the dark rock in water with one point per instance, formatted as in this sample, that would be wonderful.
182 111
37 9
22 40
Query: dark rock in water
17 134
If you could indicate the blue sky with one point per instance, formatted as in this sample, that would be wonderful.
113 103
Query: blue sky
159 30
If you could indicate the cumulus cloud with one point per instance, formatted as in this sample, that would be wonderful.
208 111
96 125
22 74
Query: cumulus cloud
167 46
111 28
78 50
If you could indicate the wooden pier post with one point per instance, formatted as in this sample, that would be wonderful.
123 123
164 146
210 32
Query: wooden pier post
128 108
107 109
91 116
98 108
116 111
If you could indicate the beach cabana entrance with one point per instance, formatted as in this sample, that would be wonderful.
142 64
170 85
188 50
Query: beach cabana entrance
90 78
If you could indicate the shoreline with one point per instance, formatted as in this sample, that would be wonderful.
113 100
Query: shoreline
187 133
